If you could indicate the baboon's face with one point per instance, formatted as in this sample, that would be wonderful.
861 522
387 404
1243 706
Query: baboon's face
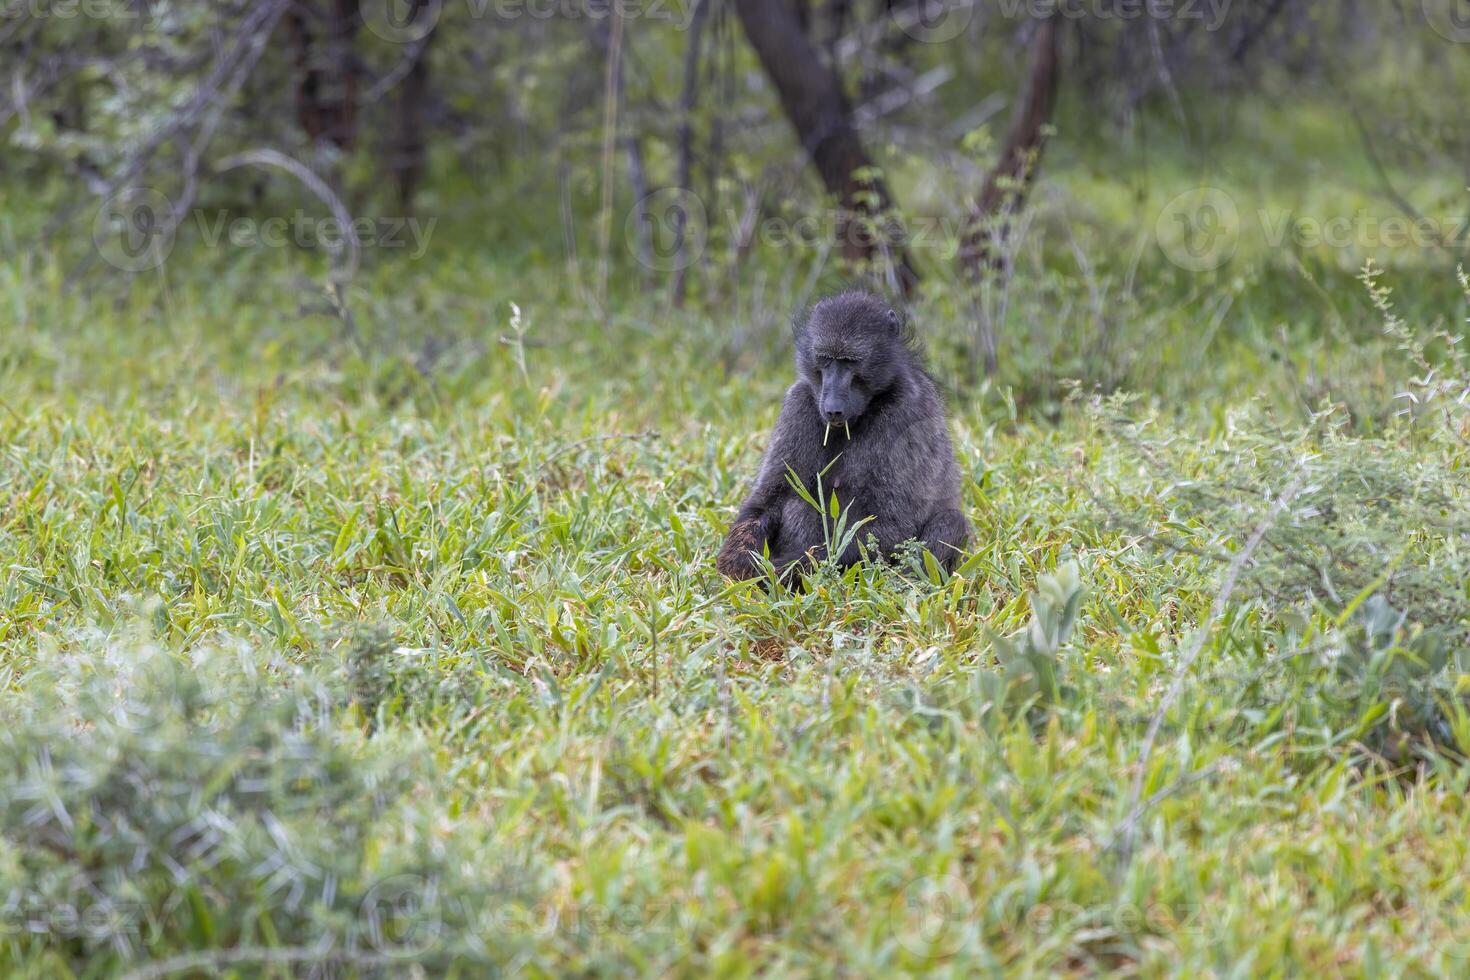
846 356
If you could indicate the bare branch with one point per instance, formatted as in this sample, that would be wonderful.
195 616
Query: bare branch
1126 832
277 160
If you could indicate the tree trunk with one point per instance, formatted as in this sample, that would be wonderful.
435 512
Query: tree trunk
326 90
684 177
1255 32
812 98
410 152
1004 191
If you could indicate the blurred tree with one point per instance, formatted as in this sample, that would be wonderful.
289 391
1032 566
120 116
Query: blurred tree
322 34
1004 191
812 97
132 93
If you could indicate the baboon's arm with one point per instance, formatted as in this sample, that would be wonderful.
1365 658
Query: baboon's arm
758 523
755 527
748 537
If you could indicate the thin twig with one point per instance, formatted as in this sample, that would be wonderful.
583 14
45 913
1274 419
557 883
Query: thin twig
684 171
1386 183
267 157
1126 832
609 132
250 42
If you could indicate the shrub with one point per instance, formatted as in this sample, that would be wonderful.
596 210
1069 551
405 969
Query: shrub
219 804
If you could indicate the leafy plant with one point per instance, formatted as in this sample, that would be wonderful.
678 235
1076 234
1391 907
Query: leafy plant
1400 684
1030 670
839 530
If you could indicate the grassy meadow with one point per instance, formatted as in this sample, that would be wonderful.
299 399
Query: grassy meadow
392 644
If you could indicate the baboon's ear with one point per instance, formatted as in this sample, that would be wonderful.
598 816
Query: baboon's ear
895 322
799 322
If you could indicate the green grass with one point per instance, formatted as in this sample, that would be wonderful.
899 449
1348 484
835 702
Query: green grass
466 615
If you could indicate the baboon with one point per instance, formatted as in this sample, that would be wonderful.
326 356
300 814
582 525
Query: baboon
865 416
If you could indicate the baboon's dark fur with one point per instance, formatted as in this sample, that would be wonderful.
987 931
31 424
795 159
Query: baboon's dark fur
856 366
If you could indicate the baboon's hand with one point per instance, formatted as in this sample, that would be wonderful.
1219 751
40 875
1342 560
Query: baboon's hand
735 559
945 536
